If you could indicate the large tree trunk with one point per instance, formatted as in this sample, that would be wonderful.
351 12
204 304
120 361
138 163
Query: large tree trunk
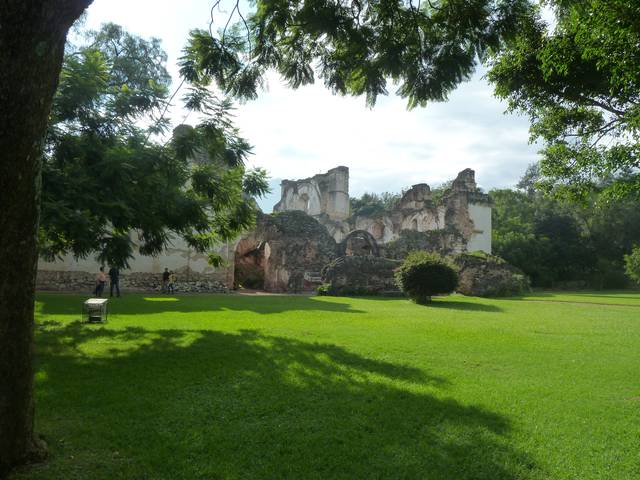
32 38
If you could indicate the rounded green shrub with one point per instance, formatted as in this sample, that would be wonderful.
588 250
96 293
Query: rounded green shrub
632 264
424 274
324 289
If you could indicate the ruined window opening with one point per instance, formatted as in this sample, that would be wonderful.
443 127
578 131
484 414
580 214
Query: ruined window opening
304 198
359 243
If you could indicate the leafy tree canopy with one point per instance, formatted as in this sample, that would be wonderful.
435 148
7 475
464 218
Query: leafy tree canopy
372 204
578 80
580 85
556 240
357 47
109 186
632 264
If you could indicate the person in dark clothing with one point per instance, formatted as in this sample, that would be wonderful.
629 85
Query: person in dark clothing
114 277
165 281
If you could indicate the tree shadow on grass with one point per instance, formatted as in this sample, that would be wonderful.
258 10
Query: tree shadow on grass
465 306
441 302
176 404
624 294
56 304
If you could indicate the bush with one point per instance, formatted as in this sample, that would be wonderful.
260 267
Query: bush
632 264
324 289
424 274
608 275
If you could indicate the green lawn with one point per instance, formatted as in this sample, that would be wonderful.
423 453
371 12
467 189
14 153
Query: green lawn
271 387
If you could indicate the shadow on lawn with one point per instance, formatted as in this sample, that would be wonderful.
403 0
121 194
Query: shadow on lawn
626 295
445 302
467 306
203 404
56 304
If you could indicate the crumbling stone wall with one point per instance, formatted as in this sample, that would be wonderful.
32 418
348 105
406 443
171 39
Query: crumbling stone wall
323 194
145 272
445 242
296 247
462 217
84 282
488 276
361 275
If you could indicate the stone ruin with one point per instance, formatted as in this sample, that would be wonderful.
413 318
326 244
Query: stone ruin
312 238
459 221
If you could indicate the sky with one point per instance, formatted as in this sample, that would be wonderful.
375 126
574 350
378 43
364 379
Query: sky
299 133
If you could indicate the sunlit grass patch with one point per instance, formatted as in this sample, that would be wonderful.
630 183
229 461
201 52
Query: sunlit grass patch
232 386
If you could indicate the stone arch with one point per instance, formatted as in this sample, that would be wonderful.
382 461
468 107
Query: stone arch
359 243
250 261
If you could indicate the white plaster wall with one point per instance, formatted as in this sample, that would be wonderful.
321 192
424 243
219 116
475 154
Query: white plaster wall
338 205
481 238
306 198
372 225
178 257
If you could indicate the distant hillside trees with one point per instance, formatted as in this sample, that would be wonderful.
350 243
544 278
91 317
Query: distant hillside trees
372 204
562 242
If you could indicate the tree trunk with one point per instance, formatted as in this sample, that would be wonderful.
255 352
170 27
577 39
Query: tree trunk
423 299
32 38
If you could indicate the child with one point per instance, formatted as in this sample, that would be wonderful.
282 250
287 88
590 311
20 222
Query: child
172 282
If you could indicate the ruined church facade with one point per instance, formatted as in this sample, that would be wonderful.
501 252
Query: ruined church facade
311 227
462 217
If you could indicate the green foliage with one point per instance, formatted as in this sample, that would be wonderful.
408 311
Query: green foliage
424 274
543 237
632 264
580 85
578 82
439 191
374 204
324 289
109 188
192 373
555 240
356 48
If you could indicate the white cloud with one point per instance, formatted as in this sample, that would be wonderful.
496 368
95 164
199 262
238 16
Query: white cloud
298 133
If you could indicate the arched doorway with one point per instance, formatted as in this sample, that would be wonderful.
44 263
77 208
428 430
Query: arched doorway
250 261
359 243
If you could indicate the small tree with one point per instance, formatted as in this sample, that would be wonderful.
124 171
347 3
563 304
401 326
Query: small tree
632 264
423 274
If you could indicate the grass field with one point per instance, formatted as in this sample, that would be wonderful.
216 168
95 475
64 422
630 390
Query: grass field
270 387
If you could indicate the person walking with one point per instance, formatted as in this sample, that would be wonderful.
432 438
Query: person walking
114 280
101 280
165 280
